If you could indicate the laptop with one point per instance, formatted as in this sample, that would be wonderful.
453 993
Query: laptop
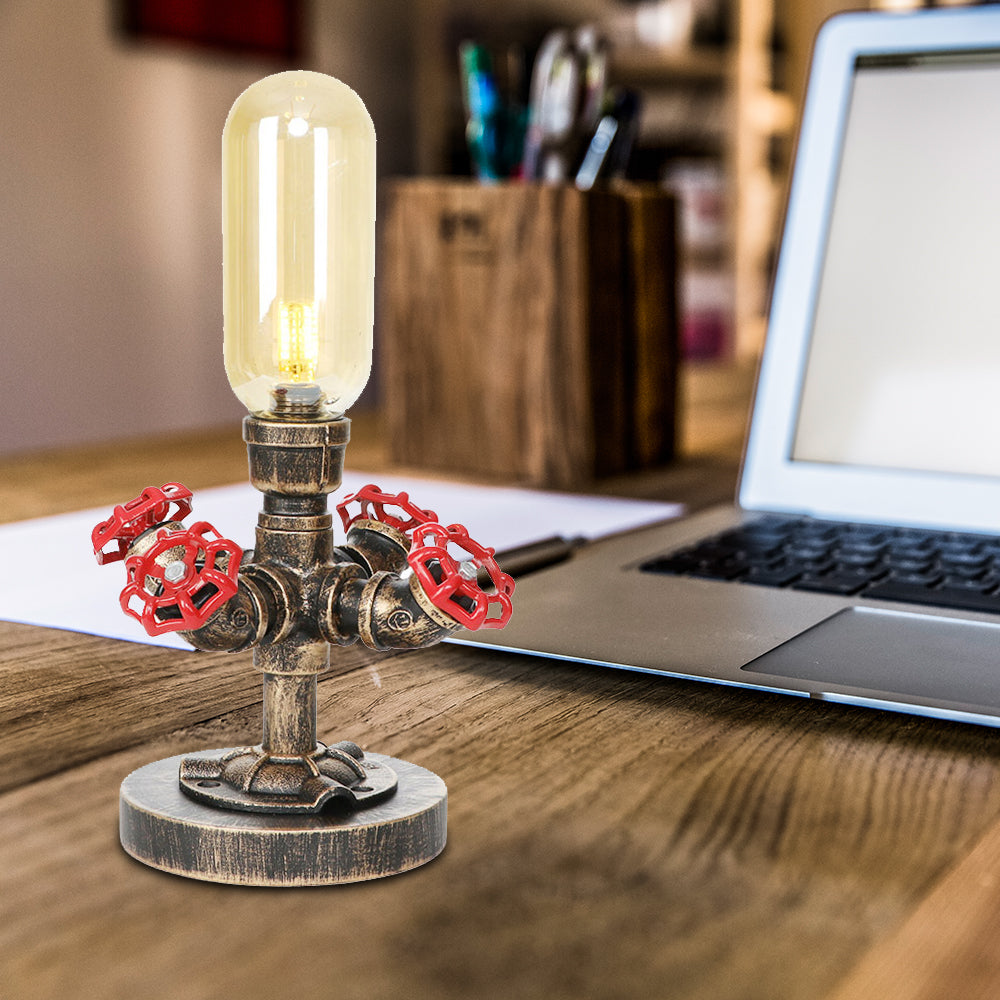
861 562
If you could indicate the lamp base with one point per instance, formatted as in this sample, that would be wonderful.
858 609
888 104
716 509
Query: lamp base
255 781
164 828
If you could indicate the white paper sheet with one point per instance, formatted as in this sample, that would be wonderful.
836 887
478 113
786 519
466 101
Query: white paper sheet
50 576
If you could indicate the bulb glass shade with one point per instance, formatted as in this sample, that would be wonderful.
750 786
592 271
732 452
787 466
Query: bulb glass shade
298 238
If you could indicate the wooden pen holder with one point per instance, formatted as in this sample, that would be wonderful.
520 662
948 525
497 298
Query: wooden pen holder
529 332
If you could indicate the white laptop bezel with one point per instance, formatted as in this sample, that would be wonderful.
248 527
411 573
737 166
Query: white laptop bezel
770 479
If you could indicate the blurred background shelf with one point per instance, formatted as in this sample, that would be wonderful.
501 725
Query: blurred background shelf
111 277
652 64
715 104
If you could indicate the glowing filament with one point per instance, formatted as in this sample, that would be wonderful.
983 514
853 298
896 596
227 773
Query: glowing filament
298 341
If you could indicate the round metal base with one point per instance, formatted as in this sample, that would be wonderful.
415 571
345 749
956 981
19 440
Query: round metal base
162 827
255 781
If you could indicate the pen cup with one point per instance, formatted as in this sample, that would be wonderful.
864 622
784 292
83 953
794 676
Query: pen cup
529 331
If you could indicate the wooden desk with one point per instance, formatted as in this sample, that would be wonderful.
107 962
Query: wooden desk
610 835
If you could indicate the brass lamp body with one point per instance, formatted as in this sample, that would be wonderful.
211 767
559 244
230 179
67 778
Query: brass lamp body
298 275
292 810
297 596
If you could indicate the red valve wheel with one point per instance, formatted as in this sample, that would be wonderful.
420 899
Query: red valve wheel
129 520
183 591
373 505
452 584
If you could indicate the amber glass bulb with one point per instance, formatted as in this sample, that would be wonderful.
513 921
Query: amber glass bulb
298 238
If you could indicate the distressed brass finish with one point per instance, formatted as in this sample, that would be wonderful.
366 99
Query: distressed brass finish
167 829
298 595
252 780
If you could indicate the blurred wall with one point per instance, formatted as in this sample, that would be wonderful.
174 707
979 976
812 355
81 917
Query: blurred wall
110 242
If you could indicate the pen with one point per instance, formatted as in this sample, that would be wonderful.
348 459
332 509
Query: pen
523 559
482 106
626 109
597 153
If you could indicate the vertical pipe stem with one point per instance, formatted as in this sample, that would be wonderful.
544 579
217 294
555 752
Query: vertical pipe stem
290 698
289 715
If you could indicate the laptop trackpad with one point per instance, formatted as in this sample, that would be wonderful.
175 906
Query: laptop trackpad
943 659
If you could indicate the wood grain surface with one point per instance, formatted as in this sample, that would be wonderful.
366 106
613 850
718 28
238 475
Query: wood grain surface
508 353
610 835
67 698
651 391
486 369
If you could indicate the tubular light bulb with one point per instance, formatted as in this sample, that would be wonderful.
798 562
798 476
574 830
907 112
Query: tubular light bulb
298 244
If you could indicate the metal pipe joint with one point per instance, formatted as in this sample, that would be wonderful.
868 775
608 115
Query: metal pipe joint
292 597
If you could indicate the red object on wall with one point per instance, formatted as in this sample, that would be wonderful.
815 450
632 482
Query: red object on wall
264 27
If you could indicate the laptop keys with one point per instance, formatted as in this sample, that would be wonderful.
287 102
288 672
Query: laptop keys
832 583
947 569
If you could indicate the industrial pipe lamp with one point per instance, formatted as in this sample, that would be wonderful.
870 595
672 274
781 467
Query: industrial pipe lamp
298 272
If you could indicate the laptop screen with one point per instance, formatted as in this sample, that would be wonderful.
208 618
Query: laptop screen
878 397
903 363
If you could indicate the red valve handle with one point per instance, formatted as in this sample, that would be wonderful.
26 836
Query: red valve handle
451 587
181 593
129 520
370 496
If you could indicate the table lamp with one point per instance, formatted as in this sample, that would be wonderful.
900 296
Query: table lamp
298 275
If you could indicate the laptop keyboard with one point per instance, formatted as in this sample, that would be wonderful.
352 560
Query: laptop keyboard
910 565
